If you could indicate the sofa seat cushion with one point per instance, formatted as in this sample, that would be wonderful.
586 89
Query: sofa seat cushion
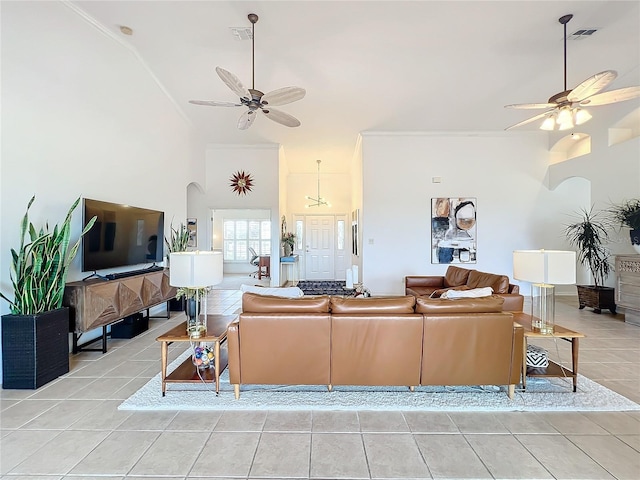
374 305
499 283
254 303
489 304
456 276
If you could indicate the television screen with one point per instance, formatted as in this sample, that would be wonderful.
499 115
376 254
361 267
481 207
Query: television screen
122 235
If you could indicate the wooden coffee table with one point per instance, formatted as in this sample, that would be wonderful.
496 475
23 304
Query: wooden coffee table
187 372
554 369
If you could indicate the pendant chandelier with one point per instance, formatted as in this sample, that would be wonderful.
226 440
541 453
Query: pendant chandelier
317 201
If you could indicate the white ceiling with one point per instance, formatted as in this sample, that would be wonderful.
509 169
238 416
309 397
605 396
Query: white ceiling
373 65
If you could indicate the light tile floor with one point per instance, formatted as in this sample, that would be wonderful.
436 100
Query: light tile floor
71 428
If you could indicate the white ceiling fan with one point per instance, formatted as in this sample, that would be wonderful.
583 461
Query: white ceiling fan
564 109
254 99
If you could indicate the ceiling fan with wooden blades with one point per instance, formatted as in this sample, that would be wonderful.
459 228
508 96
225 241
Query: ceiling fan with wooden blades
565 110
254 99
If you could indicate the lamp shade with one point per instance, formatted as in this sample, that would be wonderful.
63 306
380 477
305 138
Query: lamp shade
555 267
195 269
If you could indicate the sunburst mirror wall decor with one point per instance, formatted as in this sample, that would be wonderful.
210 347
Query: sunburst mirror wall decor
241 182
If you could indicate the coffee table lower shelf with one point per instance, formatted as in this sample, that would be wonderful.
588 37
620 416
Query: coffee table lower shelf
553 370
187 372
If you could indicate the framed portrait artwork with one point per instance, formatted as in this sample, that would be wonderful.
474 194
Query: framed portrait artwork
453 230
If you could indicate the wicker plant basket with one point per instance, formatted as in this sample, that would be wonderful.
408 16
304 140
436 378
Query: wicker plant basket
598 298
35 348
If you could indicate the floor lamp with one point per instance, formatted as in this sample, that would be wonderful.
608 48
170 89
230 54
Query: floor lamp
196 270
544 269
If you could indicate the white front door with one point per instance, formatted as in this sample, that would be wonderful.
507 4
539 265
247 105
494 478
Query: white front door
319 247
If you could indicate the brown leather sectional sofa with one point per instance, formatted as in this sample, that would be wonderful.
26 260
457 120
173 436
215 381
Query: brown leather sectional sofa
457 278
379 341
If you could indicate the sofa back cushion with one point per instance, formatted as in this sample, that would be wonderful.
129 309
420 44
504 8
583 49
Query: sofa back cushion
456 276
499 283
254 303
459 305
374 305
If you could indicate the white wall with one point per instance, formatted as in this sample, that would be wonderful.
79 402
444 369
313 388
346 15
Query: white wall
81 116
222 161
505 172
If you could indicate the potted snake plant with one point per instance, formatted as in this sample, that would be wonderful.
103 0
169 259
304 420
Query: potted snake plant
178 241
35 336
589 235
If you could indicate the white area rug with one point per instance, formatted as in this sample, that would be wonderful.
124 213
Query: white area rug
541 395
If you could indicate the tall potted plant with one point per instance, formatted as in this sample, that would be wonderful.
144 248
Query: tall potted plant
627 214
35 336
178 241
589 235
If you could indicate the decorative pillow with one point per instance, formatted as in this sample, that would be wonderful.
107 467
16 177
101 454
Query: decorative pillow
286 292
472 293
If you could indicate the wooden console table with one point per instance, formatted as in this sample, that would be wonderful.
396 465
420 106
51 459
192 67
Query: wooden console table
187 372
97 302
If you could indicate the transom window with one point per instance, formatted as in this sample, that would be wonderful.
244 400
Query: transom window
241 234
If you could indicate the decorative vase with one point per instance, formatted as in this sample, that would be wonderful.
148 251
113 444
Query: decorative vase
288 249
635 239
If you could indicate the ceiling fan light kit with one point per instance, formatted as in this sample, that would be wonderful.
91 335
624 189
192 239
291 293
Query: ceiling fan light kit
563 109
254 100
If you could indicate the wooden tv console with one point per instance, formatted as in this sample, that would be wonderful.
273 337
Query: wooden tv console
97 302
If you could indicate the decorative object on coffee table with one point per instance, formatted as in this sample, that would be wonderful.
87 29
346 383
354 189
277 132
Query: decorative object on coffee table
589 234
198 271
544 269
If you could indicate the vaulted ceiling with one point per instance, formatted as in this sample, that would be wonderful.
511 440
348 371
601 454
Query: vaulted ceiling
372 65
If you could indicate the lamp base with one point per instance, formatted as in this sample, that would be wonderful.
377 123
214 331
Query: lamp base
196 331
542 308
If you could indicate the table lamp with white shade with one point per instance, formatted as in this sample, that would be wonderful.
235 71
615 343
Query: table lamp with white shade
544 269
199 271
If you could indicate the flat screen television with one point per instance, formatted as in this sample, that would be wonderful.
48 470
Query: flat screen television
122 235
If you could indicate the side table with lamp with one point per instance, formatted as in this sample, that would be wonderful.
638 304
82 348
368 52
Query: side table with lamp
198 271
544 269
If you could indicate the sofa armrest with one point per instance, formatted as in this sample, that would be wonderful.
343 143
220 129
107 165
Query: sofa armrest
233 346
514 288
513 302
418 285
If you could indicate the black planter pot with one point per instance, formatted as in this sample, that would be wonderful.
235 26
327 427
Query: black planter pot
635 239
35 348
598 298
176 305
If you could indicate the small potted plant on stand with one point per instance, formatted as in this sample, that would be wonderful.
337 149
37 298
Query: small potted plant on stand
288 241
627 214
178 242
35 336
589 236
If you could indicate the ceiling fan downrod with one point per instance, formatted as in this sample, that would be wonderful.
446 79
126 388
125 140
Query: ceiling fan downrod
564 20
253 18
